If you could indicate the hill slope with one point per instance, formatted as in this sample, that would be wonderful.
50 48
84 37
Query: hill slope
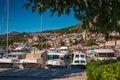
71 29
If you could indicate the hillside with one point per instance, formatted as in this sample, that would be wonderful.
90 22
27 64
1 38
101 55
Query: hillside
19 37
13 37
70 29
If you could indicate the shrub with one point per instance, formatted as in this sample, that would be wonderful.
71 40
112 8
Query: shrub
103 70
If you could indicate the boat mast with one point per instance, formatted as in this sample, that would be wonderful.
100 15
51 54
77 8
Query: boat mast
7 23
41 30
2 19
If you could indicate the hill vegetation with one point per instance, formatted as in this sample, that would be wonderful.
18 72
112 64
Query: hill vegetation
13 37
68 30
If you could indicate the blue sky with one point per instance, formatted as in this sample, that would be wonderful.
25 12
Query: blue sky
22 20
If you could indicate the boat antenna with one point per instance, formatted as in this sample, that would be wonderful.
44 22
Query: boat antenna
7 23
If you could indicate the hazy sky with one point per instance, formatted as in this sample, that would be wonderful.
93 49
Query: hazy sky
23 20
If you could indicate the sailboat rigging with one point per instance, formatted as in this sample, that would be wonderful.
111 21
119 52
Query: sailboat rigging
41 29
7 50
6 12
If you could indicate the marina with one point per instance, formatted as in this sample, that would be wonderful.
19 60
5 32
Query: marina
55 58
83 46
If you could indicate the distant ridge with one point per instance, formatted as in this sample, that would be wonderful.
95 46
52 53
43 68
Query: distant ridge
71 29
14 33
11 33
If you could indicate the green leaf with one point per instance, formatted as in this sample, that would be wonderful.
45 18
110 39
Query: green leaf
27 5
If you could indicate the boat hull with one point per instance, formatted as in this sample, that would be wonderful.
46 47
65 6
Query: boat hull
6 65
54 67
78 66
32 65
21 65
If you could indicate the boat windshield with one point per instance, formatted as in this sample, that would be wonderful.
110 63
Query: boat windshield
82 56
52 57
76 56
111 54
52 50
106 55
64 50
102 55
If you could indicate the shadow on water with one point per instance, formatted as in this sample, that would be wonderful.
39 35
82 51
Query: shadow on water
38 74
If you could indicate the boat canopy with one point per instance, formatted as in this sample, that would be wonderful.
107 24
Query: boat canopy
104 51
63 47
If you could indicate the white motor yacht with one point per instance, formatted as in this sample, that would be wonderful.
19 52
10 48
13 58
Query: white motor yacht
79 60
35 60
8 60
55 61
104 54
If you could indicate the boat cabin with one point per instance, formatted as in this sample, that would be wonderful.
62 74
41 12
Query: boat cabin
2 53
52 56
40 57
55 61
79 58
34 60
104 54
52 50
64 49
12 58
79 61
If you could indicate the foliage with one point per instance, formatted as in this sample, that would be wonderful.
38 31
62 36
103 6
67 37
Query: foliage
91 42
72 29
103 70
12 37
102 16
41 46
62 43
76 42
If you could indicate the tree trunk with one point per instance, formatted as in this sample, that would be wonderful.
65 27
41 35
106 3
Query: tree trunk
115 41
